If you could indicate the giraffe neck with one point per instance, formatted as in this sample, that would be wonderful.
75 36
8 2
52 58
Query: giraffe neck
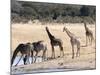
86 28
49 34
69 33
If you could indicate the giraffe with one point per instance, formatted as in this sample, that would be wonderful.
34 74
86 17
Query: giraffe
25 50
74 41
89 35
54 42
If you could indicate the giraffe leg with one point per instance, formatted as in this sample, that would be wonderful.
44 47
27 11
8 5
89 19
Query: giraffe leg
86 40
89 40
44 55
62 53
53 52
78 50
61 50
72 50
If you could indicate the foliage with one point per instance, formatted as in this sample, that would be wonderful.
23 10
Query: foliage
50 12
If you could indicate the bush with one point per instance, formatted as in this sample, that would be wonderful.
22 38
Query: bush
47 12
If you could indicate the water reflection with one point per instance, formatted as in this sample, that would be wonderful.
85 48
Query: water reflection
39 59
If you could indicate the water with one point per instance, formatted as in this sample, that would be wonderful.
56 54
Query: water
39 59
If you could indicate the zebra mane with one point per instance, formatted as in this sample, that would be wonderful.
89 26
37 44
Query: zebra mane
38 42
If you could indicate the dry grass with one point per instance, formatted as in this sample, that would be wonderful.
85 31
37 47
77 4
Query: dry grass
34 32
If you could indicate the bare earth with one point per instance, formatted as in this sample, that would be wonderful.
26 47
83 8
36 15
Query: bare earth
23 33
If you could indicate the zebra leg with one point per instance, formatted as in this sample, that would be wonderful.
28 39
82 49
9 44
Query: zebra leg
32 56
25 59
19 60
35 56
28 57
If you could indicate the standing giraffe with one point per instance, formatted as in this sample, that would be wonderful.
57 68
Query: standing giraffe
89 34
74 41
54 42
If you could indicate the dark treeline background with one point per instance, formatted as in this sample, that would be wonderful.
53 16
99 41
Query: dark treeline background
51 12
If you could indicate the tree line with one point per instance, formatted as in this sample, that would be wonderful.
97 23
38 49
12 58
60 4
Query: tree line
23 11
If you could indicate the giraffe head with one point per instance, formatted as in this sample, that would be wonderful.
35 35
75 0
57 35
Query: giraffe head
85 24
46 28
64 29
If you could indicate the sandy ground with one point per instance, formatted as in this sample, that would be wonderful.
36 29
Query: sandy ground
23 33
